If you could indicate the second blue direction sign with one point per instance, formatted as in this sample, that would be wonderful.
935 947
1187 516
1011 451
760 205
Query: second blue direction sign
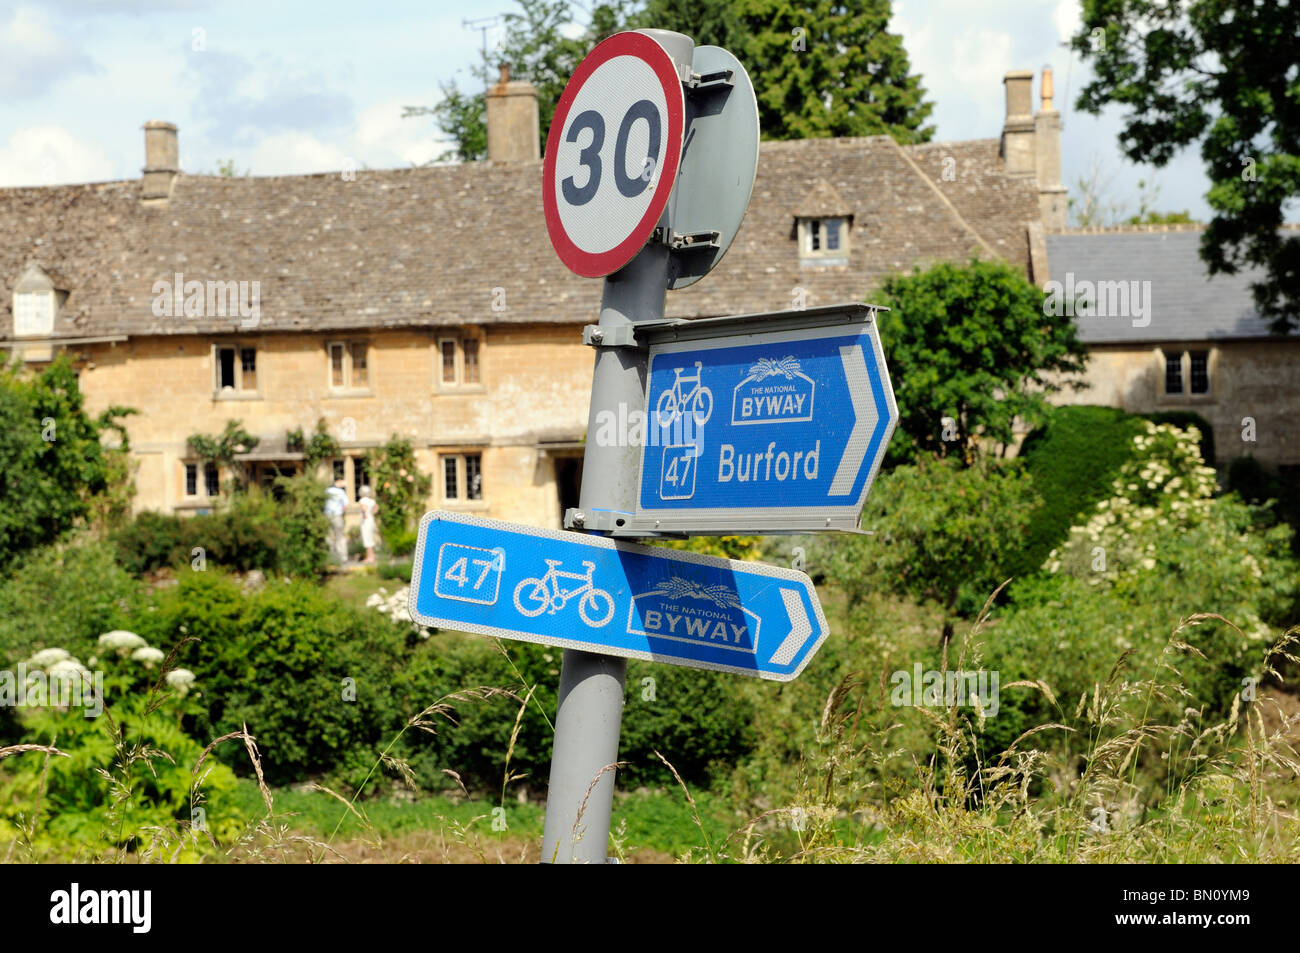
764 423
587 592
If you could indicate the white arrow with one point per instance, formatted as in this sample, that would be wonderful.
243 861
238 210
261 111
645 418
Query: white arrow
864 410
800 627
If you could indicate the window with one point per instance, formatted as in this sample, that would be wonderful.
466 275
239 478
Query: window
824 239
191 479
340 473
236 369
448 361
462 476
459 362
1187 374
349 365
450 488
473 476
211 479
1200 371
470 347
360 476
1173 373
34 314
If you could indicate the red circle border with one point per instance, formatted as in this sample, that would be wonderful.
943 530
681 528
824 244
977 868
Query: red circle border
645 48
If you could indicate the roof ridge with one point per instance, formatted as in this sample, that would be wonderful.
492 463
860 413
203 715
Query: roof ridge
945 200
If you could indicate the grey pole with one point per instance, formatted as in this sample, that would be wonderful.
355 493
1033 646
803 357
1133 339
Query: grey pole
590 713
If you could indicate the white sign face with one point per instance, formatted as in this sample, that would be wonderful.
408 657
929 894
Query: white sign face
612 154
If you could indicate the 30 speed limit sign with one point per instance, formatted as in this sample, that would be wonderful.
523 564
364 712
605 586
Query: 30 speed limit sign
612 153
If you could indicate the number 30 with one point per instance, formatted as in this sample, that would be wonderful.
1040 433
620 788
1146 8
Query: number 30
589 156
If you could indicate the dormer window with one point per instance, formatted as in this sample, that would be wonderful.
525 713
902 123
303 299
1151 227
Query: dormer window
825 240
36 302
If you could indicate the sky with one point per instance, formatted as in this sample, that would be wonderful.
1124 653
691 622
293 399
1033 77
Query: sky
284 87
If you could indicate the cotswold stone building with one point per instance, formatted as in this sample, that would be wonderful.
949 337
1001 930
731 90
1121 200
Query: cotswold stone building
1162 334
428 302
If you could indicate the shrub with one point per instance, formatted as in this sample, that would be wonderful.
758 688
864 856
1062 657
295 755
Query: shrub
400 486
310 676
1184 419
66 596
51 460
1072 460
305 550
938 528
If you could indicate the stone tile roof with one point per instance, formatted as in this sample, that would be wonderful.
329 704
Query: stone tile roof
426 247
1186 303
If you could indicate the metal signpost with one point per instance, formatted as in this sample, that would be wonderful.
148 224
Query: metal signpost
771 422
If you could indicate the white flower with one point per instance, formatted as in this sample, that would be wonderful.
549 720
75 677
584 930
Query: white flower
47 657
121 640
68 670
180 679
148 654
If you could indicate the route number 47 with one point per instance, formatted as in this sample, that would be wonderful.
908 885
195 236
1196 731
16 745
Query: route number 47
677 474
469 574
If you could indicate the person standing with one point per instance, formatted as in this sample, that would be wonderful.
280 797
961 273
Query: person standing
368 510
336 500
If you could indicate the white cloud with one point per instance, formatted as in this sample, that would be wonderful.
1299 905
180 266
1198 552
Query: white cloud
295 153
1067 19
385 139
980 59
50 155
34 56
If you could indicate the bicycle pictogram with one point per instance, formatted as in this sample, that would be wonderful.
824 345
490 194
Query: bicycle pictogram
533 595
677 399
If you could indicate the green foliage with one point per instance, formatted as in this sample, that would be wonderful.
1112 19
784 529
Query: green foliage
63 596
315 449
51 462
400 486
278 659
1249 479
1072 458
819 68
1185 419
304 550
127 778
938 527
1221 73
971 343
253 531
401 542
824 68
223 448
748 548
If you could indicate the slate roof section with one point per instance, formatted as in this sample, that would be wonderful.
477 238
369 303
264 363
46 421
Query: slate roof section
426 247
1186 303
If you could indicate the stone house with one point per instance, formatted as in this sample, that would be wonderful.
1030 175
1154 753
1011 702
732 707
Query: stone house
1164 335
428 303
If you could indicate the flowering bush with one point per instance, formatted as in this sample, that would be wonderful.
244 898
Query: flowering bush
395 607
400 486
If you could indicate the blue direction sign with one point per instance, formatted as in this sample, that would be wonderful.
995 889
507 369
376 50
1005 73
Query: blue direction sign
752 426
602 595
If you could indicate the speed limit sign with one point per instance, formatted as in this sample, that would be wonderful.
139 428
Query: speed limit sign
612 153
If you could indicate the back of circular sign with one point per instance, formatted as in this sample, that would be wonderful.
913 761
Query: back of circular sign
718 164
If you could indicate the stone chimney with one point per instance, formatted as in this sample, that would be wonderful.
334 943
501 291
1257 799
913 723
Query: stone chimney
1018 130
512 122
1047 141
161 161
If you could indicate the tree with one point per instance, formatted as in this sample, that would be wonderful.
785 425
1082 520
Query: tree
52 464
535 49
970 348
938 529
819 67
1221 73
